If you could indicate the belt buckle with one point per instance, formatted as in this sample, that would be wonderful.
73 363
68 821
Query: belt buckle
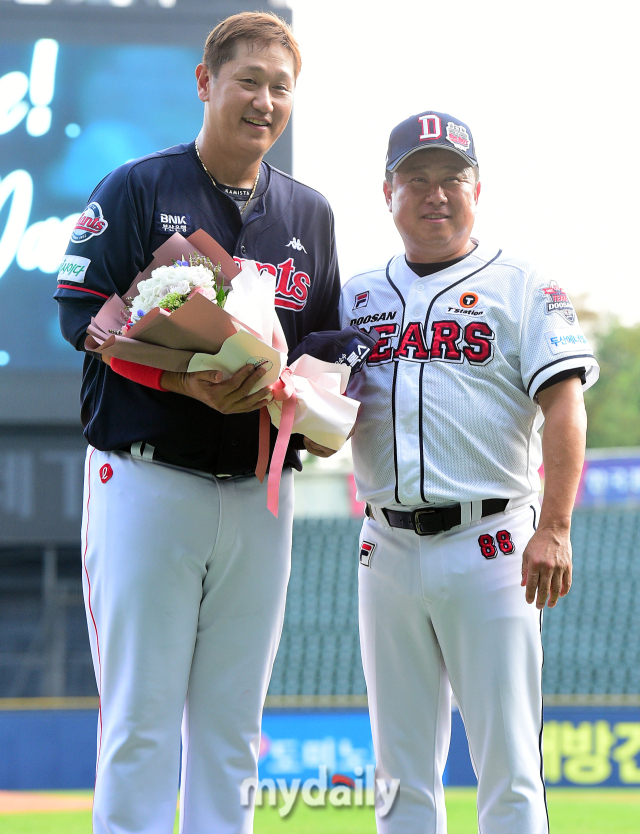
417 525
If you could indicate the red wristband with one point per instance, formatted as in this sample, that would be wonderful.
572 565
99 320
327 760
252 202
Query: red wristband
142 374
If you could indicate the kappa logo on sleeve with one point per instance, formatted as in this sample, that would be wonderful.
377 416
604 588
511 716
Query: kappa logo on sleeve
557 301
91 223
565 340
169 224
361 300
366 553
73 268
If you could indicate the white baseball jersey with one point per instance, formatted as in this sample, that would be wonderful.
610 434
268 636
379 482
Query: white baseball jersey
460 358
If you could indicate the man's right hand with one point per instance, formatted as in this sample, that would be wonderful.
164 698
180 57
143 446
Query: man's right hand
229 397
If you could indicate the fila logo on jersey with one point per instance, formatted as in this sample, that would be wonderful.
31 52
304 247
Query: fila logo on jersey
91 223
361 300
106 473
292 288
73 268
451 342
557 301
366 553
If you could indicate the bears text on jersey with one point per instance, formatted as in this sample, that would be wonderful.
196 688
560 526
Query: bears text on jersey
451 342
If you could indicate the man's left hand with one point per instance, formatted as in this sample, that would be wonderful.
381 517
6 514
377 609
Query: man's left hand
318 450
546 567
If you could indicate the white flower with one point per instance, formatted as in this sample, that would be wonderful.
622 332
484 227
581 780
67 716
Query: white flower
166 279
182 288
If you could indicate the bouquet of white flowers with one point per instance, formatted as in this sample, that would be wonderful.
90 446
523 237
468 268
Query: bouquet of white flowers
172 286
171 323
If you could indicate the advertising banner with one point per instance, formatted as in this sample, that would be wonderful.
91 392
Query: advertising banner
583 747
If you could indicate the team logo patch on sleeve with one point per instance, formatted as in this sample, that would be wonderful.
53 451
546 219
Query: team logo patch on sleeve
366 553
169 224
361 300
73 268
91 223
557 301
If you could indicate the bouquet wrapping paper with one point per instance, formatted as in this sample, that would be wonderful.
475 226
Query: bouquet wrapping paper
308 396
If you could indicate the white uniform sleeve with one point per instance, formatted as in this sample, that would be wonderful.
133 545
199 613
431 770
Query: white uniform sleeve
551 340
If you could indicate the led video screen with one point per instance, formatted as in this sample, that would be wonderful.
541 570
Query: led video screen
69 113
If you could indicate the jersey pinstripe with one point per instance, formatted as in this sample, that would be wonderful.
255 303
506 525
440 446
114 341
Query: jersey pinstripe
448 408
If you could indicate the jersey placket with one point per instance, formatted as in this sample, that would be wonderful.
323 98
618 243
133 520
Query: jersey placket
408 401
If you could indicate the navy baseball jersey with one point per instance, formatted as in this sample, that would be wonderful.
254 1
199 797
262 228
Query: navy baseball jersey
289 232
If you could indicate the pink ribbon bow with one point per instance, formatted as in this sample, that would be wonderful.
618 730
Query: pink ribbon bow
283 391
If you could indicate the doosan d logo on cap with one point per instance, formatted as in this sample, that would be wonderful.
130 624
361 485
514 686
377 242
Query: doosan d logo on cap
428 130
91 223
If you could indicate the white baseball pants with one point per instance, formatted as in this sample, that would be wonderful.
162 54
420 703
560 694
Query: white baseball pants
438 613
185 580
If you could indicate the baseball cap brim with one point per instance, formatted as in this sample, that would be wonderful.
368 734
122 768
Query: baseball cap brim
395 165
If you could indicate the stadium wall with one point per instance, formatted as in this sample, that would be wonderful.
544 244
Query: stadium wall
585 746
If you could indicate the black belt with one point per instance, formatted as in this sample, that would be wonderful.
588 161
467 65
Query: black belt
184 463
428 521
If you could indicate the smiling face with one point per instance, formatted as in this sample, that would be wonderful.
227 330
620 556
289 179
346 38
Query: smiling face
248 103
433 199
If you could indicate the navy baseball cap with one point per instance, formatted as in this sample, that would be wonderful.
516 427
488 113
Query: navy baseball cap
429 130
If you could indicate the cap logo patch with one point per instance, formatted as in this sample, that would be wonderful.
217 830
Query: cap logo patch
106 472
431 126
366 553
361 300
91 223
458 136
468 300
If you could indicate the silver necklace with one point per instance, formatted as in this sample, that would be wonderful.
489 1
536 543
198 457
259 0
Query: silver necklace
253 190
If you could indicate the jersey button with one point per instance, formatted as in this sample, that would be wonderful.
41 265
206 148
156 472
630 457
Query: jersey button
234 442
243 249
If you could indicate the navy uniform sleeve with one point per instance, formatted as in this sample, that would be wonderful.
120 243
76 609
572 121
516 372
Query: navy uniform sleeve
104 255
331 318
326 313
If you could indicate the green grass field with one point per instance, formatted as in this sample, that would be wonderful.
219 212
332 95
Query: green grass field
571 811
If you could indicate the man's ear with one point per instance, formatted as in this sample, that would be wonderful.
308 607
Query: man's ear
203 78
388 191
